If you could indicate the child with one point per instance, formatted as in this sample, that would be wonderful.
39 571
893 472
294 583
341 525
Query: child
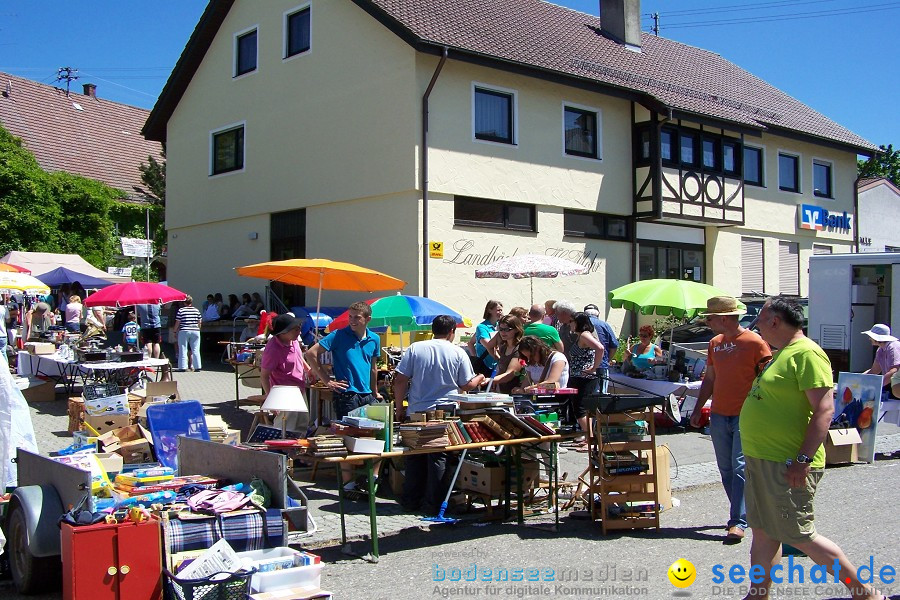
130 331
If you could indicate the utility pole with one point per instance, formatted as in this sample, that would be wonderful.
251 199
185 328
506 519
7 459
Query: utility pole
67 73
655 17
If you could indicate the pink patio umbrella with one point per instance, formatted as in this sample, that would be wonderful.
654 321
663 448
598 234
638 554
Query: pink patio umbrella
135 292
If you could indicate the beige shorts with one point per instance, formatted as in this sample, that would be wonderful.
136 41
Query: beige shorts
783 512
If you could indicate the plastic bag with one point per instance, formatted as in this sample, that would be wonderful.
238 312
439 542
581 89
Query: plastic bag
217 501
16 429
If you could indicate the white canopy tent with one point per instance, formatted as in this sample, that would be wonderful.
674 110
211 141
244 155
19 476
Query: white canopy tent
41 262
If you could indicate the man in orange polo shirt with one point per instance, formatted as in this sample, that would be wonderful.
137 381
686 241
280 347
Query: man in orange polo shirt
735 357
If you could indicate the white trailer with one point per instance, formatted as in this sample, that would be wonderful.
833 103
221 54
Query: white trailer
848 293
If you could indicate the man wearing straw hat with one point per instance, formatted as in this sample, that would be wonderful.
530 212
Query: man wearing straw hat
734 357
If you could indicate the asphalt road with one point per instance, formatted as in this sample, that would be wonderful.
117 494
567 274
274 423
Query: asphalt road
855 506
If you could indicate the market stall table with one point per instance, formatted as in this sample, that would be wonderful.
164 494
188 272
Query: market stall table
620 383
514 448
50 366
123 373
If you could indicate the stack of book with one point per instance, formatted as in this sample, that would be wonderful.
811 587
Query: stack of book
507 426
218 428
623 463
431 434
131 486
326 445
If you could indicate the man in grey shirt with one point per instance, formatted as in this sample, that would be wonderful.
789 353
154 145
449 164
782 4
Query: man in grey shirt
428 371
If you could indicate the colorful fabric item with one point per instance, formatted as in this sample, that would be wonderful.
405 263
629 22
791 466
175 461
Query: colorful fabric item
243 532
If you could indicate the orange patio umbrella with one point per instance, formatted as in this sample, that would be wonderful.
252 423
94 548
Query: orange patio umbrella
10 268
323 274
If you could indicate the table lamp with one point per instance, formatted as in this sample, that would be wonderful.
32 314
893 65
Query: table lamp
285 398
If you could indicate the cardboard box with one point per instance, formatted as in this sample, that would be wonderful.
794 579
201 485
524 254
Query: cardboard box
663 478
40 347
841 446
39 390
111 462
106 423
490 480
132 443
363 445
159 388
232 437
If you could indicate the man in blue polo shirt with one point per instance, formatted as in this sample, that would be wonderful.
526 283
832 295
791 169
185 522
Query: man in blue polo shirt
354 350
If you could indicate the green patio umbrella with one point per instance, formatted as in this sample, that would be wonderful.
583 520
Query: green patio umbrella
664 297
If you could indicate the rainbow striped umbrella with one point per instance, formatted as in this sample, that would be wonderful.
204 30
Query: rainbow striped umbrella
403 313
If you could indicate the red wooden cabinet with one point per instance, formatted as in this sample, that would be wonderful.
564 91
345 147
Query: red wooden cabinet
112 562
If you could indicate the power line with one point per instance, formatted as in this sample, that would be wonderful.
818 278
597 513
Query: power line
786 16
741 7
119 85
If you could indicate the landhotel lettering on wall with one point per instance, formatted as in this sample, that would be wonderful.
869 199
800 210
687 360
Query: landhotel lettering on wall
467 252
817 218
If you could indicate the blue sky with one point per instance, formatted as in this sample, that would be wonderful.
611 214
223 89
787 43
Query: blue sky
838 56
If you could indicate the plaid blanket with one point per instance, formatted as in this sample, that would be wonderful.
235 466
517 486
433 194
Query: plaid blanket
243 532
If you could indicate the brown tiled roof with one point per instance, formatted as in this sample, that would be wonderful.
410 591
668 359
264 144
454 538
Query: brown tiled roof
101 140
867 183
551 41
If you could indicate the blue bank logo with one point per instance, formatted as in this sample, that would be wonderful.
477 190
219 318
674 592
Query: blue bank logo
817 218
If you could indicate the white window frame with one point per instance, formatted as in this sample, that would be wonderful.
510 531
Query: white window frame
762 163
212 149
284 29
234 53
799 159
515 116
599 116
830 165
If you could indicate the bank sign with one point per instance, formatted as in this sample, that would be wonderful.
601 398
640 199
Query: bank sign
817 218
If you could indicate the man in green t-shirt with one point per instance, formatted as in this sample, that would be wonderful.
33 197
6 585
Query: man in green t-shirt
783 424
547 333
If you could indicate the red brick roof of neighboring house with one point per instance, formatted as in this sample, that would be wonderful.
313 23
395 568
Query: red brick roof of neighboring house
553 42
100 140
867 183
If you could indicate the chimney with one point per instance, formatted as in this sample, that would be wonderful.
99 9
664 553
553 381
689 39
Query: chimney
90 90
620 20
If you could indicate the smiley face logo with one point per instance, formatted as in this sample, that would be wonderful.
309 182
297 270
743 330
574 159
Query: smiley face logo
682 573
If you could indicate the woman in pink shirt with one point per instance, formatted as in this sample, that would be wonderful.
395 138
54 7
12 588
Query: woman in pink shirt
283 364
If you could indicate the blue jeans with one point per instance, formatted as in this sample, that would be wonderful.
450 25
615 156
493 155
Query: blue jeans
726 439
189 338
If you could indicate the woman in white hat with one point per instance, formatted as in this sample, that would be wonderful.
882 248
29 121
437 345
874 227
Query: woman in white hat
887 357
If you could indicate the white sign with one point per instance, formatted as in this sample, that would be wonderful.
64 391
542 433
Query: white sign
137 247
119 271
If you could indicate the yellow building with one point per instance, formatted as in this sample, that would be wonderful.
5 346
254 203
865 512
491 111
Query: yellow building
367 130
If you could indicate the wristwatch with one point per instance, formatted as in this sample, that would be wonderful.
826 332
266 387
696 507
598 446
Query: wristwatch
801 459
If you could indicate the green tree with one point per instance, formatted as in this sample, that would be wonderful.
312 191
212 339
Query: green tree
153 175
886 163
62 212
28 216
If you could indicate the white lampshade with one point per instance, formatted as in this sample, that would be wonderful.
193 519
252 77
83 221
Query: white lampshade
285 398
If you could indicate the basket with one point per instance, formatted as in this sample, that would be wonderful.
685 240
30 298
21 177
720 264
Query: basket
230 586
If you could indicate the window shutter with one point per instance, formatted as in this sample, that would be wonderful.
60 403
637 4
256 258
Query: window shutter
789 268
820 249
752 266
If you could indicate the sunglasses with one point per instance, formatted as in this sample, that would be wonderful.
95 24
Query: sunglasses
504 329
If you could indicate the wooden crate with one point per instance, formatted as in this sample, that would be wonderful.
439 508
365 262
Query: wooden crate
76 411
